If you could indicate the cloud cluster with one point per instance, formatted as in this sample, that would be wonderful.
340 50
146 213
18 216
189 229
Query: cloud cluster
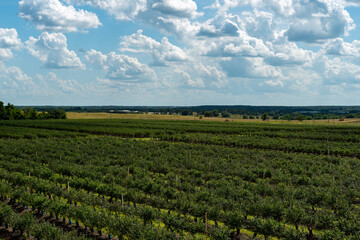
177 8
161 52
52 15
66 86
307 21
8 40
120 67
232 46
51 50
338 47
14 78
121 9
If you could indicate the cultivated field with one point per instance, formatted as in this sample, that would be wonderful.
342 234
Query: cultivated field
233 118
178 179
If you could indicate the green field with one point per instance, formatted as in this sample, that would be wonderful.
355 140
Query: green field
178 179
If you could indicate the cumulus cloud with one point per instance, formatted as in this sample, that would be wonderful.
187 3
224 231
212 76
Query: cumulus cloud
340 48
260 24
66 86
249 68
313 29
8 40
285 53
186 80
52 15
161 52
51 50
355 3
14 77
217 28
338 71
121 67
171 16
308 21
274 83
244 45
177 8
121 9
211 75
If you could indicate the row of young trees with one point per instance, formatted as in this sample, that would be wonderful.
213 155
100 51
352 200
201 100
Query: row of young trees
10 112
192 182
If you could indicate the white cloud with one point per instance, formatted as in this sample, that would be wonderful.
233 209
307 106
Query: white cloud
308 21
338 71
285 53
328 26
182 28
8 40
219 27
52 15
51 50
185 79
14 77
177 8
121 9
354 3
249 68
66 86
121 67
96 58
5 53
244 45
340 48
274 83
211 75
161 52
260 24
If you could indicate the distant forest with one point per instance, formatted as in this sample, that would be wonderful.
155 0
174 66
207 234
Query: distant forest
246 111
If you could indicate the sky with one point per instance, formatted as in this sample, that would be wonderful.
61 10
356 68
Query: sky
180 52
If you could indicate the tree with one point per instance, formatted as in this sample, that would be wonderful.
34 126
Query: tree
2 111
235 220
186 112
13 113
264 117
56 114
215 113
208 114
225 114
147 214
22 223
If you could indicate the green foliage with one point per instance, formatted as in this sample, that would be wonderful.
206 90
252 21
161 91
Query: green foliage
264 117
9 112
225 114
162 189
21 224
215 113
208 114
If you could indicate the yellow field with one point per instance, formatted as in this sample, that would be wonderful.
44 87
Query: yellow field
234 118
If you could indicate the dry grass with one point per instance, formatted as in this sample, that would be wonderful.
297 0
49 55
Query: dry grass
235 118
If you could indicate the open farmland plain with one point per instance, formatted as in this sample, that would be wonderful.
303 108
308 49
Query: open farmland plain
177 179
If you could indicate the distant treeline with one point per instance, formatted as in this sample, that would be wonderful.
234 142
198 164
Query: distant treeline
10 112
251 112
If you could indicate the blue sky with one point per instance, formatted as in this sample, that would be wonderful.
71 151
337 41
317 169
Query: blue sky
180 52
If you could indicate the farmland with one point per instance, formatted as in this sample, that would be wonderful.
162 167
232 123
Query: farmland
179 179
